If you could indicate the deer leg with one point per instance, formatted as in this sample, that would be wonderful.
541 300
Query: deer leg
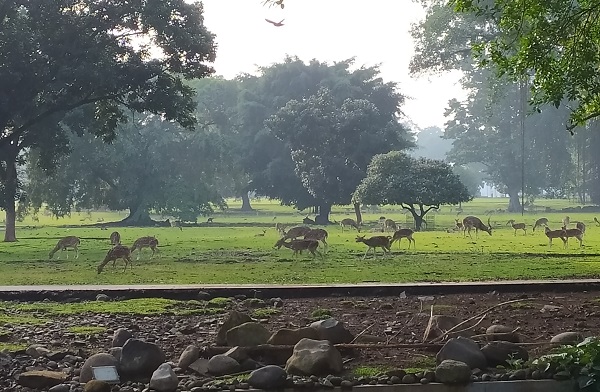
76 252
515 232
365 256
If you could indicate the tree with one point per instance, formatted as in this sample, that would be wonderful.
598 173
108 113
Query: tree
152 164
96 55
432 144
554 44
417 185
471 175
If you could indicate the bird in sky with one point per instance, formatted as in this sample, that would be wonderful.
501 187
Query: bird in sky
276 24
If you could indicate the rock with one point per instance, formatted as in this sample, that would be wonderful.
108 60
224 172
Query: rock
289 337
463 350
96 386
58 355
200 366
438 325
268 377
164 379
116 352
220 365
498 353
567 338
453 372
276 302
237 353
102 297
251 364
188 356
120 336
332 330
497 328
254 303
41 379
36 350
203 296
140 359
314 357
248 334
101 359
506 337
60 388
233 319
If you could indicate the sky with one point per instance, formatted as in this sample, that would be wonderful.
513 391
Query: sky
372 31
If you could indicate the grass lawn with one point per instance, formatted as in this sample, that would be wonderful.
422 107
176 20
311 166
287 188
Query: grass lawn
237 253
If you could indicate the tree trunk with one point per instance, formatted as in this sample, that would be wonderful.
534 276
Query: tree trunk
10 192
358 213
323 217
246 202
138 216
514 204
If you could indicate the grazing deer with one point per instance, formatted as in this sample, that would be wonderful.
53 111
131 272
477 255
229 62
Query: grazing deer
349 222
299 245
145 242
458 224
472 222
64 244
319 235
308 221
176 223
115 238
540 222
378 241
551 234
597 222
573 233
118 252
403 233
517 226
295 232
280 227
390 225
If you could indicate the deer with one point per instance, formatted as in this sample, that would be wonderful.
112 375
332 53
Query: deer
572 233
319 235
566 221
295 232
349 222
118 252
64 244
540 222
517 226
299 245
472 222
379 241
176 223
403 233
458 224
145 242
551 234
580 226
280 227
390 225
115 238
308 221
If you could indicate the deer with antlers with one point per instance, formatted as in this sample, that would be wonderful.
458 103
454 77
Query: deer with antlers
299 245
64 244
319 235
517 226
349 222
552 234
115 238
472 222
540 222
403 233
379 241
118 252
145 242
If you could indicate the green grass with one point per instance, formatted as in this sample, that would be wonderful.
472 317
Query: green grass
370 371
265 313
12 319
87 330
12 347
233 254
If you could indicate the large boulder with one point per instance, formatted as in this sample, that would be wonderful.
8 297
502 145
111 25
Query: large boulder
567 338
289 337
164 379
268 377
463 350
220 365
233 319
332 330
120 336
248 334
188 356
41 379
498 353
101 359
314 357
140 359
452 372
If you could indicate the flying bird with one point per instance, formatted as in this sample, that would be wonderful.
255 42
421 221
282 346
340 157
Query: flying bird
276 24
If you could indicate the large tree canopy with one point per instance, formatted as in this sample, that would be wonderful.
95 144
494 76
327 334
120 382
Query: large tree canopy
102 55
418 185
553 43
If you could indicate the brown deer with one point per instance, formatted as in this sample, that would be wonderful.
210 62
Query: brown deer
458 224
580 226
64 244
390 225
115 238
319 235
299 245
517 226
280 227
118 252
349 222
176 223
551 234
472 222
295 232
403 233
566 221
379 241
540 222
145 242
573 233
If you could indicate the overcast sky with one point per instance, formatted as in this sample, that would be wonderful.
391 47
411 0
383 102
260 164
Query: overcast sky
373 31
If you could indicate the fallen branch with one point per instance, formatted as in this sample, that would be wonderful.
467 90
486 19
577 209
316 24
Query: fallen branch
362 333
